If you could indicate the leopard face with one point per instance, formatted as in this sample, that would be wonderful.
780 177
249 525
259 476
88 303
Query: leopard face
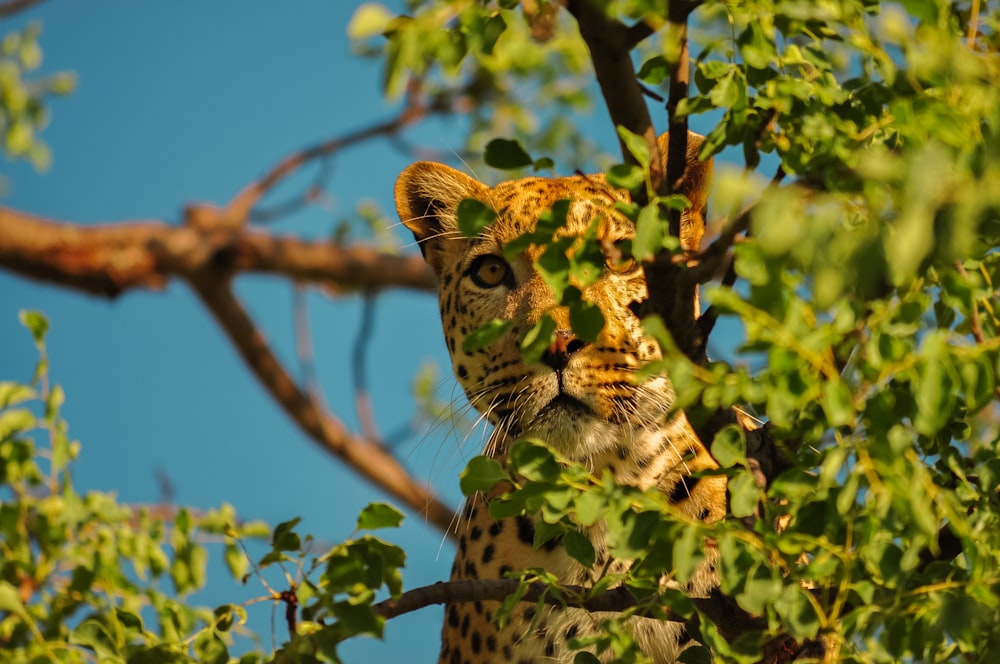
582 397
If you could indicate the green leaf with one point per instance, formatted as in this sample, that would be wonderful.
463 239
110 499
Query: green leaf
379 515
15 420
369 19
37 324
236 560
590 506
579 548
358 619
587 321
636 145
12 394
730 446
210 649
688 554
481 474
654 71
761 587
744 494
96 636
534 460
506 155
474 217
538 339
10 601
650 231
285 538
726 92
837 403
696 654
486 335
798 616
626 176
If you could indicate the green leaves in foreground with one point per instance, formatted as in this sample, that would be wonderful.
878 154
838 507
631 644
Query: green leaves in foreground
509 155
80 571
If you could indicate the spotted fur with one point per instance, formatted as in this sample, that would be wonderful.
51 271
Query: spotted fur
582 398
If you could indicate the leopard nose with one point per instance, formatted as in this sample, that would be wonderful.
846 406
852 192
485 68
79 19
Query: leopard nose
558 353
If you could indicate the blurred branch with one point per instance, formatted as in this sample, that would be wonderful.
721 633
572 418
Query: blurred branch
362 397
240 208
304 347
110 259
371 460
12 7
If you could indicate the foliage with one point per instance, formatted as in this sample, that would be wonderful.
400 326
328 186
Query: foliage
867 295
84 578
22 109
514 77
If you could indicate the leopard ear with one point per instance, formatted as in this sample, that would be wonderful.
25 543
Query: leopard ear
697 185
427 195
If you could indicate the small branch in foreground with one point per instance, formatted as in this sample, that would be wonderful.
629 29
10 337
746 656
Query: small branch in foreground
720 609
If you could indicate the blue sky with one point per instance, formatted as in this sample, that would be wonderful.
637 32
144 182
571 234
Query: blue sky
189 101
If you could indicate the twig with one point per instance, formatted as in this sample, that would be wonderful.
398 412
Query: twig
369 459
973 24
304 347
362 397
239 209
638 33
975 323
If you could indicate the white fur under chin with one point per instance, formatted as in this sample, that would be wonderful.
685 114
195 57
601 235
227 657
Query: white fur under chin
578 436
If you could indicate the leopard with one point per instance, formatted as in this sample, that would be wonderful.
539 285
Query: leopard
582 398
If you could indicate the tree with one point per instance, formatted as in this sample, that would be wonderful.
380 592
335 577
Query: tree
855 251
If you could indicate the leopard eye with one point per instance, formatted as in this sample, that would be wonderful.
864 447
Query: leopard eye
489 271
622 265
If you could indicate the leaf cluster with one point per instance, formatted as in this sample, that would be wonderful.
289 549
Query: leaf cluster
84 578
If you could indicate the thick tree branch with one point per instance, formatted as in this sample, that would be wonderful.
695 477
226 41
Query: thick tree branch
111 259
369 459
108 260
610 43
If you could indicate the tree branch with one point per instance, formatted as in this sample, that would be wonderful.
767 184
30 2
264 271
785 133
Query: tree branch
723 611
369 459
239 209
110 259
610 43
12 7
